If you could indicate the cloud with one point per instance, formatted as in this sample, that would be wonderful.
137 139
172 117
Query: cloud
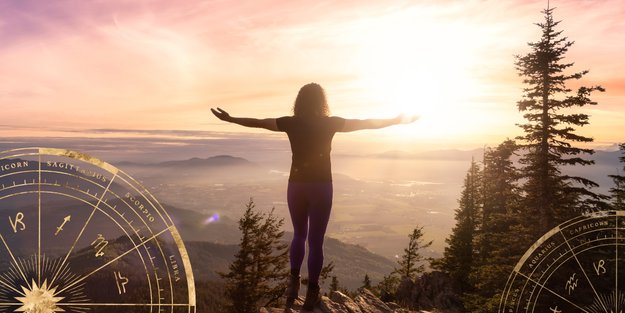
156 64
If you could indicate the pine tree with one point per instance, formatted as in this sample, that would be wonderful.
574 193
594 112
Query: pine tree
257 276
411 263
458 256
366 282
334 284
618 191
388 287
499 197
552 197
496 249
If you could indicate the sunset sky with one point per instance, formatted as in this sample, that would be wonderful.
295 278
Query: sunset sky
70 67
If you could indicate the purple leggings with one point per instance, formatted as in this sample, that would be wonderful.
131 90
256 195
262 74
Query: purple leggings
310 205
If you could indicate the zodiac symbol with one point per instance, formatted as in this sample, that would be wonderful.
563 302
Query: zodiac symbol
18 220
100 246
570 284
60 228
121 282
599 268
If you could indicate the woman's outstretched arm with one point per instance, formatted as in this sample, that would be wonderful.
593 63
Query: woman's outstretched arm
353 124
267 123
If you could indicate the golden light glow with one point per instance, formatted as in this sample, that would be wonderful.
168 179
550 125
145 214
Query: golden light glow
418 70
161 66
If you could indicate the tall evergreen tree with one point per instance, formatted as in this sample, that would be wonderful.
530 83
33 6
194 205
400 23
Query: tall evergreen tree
458 256
618 191
500 200
257 276
552 197
412 262
496 250
366 282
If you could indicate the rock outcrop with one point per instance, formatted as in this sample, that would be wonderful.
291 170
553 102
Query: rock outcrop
434 292
337 302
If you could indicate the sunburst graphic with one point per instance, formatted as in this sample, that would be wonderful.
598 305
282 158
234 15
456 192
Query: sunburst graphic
613 303
39 299
19 287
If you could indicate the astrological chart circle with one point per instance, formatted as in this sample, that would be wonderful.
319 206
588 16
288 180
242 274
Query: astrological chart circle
579 266
78 235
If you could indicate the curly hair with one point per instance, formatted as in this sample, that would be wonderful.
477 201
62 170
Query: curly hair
311 101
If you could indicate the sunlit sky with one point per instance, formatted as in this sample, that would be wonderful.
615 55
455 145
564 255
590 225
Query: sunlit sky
75 65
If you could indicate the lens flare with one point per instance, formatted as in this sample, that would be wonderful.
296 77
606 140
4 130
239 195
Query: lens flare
211 219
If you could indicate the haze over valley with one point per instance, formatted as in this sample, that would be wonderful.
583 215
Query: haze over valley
378 199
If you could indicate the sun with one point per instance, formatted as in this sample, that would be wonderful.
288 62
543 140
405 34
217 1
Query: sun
411 63
39 299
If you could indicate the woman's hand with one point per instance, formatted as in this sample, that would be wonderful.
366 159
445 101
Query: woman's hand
221 114
406 119
266 123
355 124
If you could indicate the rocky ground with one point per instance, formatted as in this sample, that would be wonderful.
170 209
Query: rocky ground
338 302
432 292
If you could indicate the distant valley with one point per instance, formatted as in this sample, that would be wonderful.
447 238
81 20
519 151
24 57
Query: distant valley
379 197
391 194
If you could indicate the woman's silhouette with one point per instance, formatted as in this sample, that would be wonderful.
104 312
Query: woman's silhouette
309 194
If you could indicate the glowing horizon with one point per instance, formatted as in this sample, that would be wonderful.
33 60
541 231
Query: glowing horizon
72 66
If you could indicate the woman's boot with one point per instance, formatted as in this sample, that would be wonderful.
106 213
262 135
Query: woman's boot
292 290
312 297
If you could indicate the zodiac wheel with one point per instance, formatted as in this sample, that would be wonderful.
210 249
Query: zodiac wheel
578 266
79 235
